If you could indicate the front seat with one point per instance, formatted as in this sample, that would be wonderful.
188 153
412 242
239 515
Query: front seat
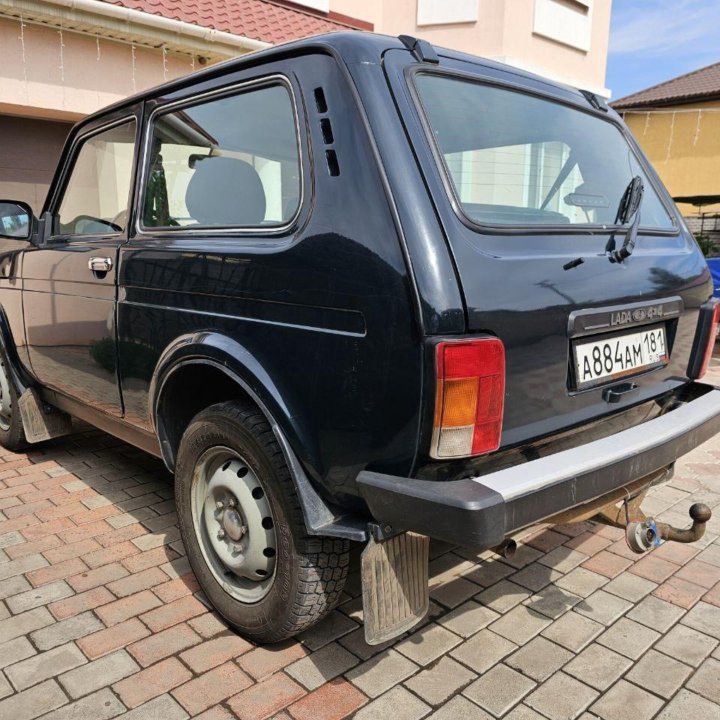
225 192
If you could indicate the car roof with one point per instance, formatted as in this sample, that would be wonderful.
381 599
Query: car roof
351 46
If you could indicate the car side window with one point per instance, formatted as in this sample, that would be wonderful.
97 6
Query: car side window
97 194
229 162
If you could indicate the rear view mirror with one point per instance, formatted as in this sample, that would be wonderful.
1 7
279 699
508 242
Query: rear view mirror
16 220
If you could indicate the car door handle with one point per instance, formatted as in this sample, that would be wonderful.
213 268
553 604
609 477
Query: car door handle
100 264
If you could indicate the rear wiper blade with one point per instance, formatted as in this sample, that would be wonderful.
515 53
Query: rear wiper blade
629 208
630 201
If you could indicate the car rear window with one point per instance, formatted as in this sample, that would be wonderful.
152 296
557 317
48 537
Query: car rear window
519 159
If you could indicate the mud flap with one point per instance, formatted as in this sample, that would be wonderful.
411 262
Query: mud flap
394 585
42 421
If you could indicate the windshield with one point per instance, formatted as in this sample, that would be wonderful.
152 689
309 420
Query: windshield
518 159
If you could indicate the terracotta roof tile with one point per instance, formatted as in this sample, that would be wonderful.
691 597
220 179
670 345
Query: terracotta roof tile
256 19
697 85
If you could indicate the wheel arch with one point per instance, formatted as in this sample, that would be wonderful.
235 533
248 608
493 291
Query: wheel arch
20 376
230 371
226 371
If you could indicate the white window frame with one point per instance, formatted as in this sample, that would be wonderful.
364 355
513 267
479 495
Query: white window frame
446 12
565 21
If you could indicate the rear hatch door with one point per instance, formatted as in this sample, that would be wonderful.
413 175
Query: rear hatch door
527 179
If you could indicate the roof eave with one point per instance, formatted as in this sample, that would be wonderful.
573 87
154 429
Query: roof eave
129 25
619 105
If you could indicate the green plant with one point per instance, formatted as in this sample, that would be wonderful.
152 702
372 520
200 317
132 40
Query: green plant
705 244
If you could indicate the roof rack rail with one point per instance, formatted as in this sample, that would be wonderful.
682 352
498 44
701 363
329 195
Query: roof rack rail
421 49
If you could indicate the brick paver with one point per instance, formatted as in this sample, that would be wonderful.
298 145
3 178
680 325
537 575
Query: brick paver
151 682
100 615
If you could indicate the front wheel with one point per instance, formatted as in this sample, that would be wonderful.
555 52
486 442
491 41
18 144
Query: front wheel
243 528
12 434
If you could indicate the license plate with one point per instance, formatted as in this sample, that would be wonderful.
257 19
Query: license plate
617 356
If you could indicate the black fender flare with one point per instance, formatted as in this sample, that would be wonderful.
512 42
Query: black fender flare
18 374
240 365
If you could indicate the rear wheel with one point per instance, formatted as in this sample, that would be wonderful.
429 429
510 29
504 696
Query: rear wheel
243 528
12 435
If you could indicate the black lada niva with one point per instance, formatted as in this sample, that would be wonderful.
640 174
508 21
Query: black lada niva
361 289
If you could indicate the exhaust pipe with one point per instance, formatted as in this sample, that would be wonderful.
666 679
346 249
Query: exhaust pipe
507 548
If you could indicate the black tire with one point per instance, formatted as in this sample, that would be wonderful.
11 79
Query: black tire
309 572
12 433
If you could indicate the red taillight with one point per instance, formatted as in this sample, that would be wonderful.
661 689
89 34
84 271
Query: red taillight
469 397
709 347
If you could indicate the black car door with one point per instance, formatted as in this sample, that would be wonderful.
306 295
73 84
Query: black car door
70 280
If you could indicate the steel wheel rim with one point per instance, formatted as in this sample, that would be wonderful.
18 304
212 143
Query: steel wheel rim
5 398
234 524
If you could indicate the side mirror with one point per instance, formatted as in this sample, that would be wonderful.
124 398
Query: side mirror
16 220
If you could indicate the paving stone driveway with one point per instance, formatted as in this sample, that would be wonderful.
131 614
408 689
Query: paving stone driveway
100 615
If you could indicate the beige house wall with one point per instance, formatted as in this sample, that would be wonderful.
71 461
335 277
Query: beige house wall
50 79
683 144
66 75
61 74
29 151
62 61
508 31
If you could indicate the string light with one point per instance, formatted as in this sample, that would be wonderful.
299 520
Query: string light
669 112
134 80
672 135
22 45
165 67
62 56
97 45
697 128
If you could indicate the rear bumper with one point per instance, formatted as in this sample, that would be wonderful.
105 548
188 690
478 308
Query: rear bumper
480 512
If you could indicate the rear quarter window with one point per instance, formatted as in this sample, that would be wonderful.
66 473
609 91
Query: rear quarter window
227 162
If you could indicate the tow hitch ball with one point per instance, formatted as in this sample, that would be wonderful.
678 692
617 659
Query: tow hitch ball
644 535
